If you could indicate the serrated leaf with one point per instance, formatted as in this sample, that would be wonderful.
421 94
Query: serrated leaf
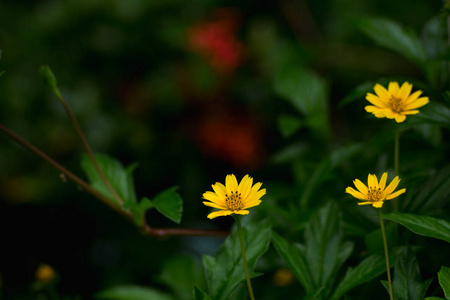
295 260
444 280
138 209
132 292
407 283
423 225
393 36
120 178
226 271
307 92
170 204
366 270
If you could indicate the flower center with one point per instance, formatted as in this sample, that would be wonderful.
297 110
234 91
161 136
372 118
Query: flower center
234 201
395 104
374 194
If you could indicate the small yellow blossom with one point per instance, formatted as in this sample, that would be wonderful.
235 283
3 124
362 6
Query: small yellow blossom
395 102
232 198
376 193
45 273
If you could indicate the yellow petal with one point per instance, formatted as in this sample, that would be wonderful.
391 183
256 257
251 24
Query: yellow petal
219 214
355 194
391 187
382 92
413 97
405 90
396 194
242 212
416 104
410 112
213 197
393 88
231 184
251 204
389 113
371 108
215 205
245 186
253 191
372 181
360 186
219 189
399 118
383 179
377 204
365 203
379 102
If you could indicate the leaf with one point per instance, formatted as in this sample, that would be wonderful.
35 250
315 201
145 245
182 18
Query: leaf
407 283
393 36
138 209
295 260
358 93
314 295
423 225
226 271
444 280
307 92
366 270
132 292
288 125
170 204
434 113
119 177
200 295
324 250
181 273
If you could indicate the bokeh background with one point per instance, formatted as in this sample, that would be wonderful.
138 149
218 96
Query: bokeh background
190 90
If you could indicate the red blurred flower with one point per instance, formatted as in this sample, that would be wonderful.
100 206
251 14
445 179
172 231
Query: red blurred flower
216 40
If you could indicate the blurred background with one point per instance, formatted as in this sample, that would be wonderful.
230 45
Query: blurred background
191 91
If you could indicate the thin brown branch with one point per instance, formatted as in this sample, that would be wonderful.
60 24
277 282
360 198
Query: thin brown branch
146 229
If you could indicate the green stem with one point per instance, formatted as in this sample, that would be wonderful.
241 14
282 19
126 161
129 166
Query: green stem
396 163
386 252
241 240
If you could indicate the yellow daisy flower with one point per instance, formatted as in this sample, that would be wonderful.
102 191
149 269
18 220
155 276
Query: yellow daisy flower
376 193
395 102
232 198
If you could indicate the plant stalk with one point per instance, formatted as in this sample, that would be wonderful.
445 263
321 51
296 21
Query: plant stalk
386 252
244 258
396 161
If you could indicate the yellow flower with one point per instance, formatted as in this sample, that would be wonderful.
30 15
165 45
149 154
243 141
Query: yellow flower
45 273
376 193
232 198
395 103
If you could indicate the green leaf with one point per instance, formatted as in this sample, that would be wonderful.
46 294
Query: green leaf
295 260
307 92
314 295
444 280
366 270
434 298
226 271
324 250
50 79
423 225
393 36
374 241
170 204
132 292
119 177
181 273
138 209
288 125
407 283
435 113
200 295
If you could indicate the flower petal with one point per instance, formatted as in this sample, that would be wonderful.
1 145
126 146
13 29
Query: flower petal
213 197
219 189
361 186
365 203
417 103
355 194
383 179
377 204
372 181
253 191
215 205
399 118
391 187
382 92
251 204
245 186
231 184
396 194
219 214
393 88
242 212
377 101
405 90
371 108
410 112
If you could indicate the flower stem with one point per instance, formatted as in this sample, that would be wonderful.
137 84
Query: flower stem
396 154
386 252
241 240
